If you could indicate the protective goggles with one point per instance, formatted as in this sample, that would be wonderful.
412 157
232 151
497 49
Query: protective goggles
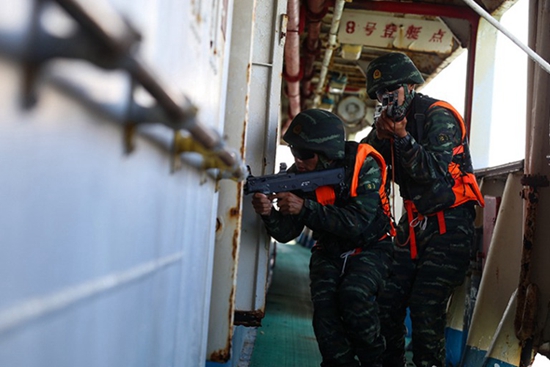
302 154
380 93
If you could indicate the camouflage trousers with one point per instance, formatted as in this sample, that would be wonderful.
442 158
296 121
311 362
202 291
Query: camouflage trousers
345 312
424 285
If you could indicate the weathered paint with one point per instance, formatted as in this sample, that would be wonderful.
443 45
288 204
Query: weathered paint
261 143
250 318
526 311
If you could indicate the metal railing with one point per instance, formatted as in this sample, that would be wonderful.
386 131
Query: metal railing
107 40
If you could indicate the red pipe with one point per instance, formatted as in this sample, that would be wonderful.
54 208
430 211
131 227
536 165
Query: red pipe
292 73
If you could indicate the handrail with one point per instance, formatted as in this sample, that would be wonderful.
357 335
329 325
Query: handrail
532 54
104 24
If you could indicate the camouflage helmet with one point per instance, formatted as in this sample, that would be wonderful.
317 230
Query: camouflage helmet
319 131
391 69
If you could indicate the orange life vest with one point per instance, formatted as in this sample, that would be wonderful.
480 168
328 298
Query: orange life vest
326 195
465 186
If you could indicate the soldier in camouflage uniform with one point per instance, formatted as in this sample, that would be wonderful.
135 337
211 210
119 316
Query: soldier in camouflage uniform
425 140
352 253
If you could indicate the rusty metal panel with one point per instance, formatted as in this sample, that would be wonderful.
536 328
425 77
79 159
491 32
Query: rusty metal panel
228 229
262 138
536 254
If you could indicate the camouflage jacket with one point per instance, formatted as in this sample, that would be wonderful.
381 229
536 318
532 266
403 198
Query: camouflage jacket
422 159
349 223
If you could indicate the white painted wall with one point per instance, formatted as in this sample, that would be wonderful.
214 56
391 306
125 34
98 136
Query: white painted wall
106 258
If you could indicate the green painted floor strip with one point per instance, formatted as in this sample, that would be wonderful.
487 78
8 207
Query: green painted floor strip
286 337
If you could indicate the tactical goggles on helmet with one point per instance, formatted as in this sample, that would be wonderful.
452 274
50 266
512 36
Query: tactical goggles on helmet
302 154
392 88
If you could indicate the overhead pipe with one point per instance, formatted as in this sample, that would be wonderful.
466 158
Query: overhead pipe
315 12
332 44
110 29
292 71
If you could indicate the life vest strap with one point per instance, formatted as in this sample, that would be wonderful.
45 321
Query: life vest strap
414 218
441 222
412 237
345 256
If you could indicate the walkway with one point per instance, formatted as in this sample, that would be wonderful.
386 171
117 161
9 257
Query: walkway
286 338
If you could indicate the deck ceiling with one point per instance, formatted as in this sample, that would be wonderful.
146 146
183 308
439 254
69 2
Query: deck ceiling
431 33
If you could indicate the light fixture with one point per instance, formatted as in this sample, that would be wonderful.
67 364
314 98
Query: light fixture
352 110
351 52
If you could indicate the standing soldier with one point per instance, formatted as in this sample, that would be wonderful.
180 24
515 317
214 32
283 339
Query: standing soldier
350 223
425 139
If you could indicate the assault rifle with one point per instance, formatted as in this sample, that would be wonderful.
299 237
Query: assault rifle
284 181
387 104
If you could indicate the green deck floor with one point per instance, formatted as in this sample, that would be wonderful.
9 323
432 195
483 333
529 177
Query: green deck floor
286 337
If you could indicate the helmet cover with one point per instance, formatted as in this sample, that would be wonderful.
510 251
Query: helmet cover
389 70
319 131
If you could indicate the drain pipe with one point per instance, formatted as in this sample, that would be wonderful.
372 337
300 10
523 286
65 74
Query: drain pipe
292 72
338 9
